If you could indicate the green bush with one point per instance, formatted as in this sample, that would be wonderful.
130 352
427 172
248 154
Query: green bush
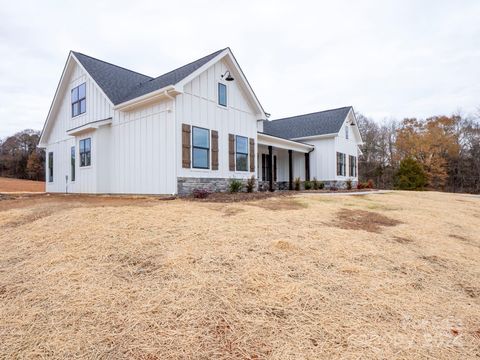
349 184
321 185
315 183
235 186
251 184
307 184
410 175
296 184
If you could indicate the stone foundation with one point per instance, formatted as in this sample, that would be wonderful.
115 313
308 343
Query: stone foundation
186 185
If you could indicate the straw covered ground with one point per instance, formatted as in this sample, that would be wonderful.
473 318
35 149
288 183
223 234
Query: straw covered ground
387 276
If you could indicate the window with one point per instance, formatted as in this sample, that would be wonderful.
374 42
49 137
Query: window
79 101
222 94
72 163
241 153
201 148
50 167
346 131
341 166
352 165
85 152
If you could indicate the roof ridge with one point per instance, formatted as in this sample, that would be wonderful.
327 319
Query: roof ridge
315 112
109 63
191 62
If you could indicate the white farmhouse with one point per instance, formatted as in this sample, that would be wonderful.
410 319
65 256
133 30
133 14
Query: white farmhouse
113 130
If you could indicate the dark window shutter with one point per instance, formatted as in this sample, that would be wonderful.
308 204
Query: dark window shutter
186 139
231 152
214 150
252 155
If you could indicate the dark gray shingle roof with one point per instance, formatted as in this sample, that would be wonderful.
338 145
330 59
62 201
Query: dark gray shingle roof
121 84
319 123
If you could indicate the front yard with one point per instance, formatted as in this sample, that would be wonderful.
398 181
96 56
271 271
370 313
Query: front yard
307 276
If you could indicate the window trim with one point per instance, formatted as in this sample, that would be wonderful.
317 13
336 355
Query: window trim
85 152
354 167
73 163
241 153
201 147
78 101
218 94
341 166
50 166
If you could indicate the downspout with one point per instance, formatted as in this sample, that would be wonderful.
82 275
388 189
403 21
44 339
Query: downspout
168 96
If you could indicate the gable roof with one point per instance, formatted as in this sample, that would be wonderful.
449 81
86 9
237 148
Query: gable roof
318 123
121 84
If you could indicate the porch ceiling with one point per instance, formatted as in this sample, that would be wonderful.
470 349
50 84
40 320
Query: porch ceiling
281 143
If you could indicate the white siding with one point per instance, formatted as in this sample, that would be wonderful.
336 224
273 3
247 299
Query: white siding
347 146
142 156
198 106
98 108
323 159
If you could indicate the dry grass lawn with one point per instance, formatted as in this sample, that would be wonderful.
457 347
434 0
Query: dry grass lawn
387 276
18 185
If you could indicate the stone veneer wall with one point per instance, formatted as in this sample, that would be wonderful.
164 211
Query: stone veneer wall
186 185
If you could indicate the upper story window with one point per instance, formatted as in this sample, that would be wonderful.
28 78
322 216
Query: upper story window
222 94
85 152
346 131
200 148
79 101
50 167
241 153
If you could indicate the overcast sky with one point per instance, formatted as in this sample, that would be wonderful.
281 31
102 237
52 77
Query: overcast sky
396 58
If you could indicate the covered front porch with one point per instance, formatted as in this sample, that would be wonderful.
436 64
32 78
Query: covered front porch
280 161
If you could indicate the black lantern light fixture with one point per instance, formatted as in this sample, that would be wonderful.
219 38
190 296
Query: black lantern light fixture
228 77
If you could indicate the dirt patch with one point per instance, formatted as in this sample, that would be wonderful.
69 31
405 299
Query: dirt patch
470 291
363 220
402 240
435 260
231 211
280 204
459 237
237 197
18 185
285 246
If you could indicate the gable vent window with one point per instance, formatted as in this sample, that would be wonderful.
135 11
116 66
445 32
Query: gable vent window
200 148
241 146
222 94
79 100
346 132
85 152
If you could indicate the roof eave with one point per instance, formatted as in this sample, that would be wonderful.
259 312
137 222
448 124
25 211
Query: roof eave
165 92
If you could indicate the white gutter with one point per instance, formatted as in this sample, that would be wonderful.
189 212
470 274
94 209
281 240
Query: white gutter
313 137
281 143
151 96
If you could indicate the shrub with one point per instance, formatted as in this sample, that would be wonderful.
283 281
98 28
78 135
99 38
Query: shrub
315 183
349 184
370 184
235 186
251 184
200 193
360 186
321 185
307 184
296 184
410 175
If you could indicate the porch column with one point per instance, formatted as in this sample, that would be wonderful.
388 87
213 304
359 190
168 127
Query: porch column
270 167
290 170
307 166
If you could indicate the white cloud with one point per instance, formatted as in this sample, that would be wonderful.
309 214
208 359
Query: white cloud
386 58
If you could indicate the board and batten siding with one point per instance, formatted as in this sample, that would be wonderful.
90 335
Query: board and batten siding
142 148
198 106
346 146
98 107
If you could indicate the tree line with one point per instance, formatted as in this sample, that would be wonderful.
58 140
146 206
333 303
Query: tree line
440 153
21 158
